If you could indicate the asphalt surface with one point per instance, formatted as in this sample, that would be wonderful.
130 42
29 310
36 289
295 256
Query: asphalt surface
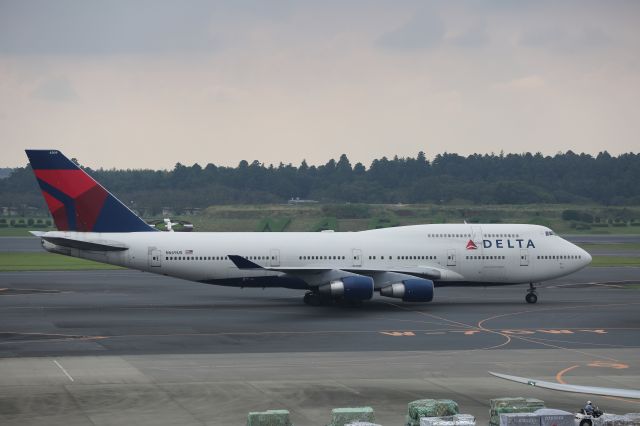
129 312
20 244
114 347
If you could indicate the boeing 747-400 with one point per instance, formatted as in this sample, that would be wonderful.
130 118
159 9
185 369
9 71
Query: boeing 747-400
404 262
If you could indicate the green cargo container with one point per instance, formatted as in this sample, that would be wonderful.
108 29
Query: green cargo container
429 408
342 416
512 405
269 418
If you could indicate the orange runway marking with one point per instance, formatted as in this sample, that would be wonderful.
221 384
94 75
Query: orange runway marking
467 326
617 366
562 373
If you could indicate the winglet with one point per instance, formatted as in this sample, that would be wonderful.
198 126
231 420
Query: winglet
243 263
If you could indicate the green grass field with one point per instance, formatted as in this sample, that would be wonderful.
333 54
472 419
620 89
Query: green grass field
357 217
604 261
46 262
612 247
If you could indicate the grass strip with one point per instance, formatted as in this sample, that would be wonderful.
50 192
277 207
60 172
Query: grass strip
603 261
11 261
611 246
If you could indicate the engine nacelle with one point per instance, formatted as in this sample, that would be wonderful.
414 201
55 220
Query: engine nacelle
351 288
411 290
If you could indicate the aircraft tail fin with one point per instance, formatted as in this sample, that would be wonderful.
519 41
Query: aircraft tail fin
76 201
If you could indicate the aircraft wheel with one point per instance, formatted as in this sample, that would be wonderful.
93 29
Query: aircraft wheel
531 298
585 422
312 299
307 298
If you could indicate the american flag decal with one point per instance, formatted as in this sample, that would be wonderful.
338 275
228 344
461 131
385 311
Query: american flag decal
188 252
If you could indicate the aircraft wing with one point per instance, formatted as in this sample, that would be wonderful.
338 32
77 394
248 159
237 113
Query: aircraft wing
593 390
429 272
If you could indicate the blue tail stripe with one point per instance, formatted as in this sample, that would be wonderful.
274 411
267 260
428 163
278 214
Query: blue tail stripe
115 217
69 203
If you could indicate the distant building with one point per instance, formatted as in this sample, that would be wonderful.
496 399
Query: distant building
11 211
190 211
298 200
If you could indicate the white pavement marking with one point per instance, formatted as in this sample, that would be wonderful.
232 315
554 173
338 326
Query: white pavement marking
63 370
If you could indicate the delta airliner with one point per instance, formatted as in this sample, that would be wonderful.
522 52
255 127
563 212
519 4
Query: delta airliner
404 262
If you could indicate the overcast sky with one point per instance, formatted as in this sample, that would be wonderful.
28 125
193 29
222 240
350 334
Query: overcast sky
145 84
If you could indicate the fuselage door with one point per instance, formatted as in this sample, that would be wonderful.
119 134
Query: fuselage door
275 257
451 257
476 235
356 255
524 257
155 257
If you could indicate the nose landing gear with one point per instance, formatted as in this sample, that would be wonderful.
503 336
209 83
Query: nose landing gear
532 294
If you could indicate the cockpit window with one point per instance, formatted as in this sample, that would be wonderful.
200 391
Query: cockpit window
548 233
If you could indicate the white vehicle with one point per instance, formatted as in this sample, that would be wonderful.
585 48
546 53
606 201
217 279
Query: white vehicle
584 419
404 262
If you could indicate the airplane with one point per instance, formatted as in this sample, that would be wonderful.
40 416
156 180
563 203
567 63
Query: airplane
404 262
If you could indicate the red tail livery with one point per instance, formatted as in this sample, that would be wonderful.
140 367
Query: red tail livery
76 201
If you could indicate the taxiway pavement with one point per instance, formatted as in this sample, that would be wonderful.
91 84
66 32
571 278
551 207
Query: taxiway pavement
113 347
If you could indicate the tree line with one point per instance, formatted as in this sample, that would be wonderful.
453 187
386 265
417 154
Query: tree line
479 178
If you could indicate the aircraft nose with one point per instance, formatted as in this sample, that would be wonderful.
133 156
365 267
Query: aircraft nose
586 257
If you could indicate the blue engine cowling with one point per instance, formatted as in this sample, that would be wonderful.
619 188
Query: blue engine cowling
410 290
355 287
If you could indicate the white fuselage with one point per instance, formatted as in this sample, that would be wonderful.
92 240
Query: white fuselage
503 254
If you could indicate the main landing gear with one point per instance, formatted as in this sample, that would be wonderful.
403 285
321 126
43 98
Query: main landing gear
316 299
532 294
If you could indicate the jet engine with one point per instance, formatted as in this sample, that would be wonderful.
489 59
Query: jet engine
355 287
410 290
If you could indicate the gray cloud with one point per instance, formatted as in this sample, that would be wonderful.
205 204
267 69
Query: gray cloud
55 89
475 36
424 30
99 27
560 39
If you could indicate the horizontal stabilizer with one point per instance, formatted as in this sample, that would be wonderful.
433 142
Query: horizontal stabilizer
86 245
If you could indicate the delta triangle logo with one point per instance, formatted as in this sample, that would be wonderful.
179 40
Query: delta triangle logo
471 245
